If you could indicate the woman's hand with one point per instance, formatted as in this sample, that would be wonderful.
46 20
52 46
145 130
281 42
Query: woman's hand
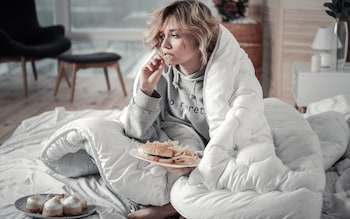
180 171
150 74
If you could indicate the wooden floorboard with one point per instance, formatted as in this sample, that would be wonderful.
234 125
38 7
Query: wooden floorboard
90 93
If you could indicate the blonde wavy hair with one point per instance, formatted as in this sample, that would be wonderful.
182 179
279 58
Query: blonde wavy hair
194 18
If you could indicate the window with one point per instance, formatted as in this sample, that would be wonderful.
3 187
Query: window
45 11
111 14
103 19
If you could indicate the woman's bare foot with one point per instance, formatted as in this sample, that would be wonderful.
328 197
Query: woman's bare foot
158 212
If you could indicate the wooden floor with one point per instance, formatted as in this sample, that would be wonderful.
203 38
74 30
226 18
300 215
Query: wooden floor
90 93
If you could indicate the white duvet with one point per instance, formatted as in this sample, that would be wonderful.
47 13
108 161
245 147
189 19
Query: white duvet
263 159
288 185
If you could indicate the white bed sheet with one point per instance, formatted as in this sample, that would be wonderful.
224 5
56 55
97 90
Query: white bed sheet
23 173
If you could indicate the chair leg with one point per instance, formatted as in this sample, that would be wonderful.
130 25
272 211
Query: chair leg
34 69
74 76
120 76
24 73
106 76
66 77
59 77
63 72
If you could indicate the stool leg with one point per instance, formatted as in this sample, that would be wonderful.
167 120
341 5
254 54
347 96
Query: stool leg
59 77
74 76
120 76
66 77
24 73
107 79
34 69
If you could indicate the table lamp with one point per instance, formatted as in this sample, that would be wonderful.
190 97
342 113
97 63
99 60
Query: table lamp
324 41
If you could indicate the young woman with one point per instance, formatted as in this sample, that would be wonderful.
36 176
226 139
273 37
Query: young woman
172 93
170 100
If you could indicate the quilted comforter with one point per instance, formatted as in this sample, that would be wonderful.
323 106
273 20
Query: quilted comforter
263 159
287 184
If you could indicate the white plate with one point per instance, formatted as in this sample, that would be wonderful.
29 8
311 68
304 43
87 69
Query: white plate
22 202
133 152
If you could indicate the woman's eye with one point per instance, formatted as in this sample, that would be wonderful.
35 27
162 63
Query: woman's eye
174 35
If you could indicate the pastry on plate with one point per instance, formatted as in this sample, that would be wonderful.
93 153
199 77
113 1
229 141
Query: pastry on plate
59 196
72 206
35 203
53 207
82 200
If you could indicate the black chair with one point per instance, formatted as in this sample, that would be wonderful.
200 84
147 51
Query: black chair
23 39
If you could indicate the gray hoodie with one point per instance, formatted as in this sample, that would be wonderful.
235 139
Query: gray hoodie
174 111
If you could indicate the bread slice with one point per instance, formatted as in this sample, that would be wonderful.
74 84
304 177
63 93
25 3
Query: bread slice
167 59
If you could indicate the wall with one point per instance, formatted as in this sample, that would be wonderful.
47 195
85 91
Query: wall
288 31
255 10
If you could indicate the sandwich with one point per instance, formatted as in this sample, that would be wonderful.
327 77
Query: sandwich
168 152
156 152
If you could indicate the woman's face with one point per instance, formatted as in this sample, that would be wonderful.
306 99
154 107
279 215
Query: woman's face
182 48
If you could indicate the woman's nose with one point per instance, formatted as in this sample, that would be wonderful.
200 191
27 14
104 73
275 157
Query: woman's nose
165 43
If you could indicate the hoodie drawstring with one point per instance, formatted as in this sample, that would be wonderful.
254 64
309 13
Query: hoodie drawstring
176 80
193 94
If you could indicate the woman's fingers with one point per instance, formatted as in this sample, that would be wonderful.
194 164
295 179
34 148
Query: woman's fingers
180 171
151 73
154 64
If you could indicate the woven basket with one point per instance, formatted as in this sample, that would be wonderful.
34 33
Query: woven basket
249 37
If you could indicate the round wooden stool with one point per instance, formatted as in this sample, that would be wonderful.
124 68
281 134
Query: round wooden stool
83 61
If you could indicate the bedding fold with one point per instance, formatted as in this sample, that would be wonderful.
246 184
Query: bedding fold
99 144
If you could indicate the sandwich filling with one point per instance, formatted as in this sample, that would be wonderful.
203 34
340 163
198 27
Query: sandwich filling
156 152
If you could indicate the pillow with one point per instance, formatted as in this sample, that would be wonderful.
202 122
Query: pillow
343 183
333 132
347 152
340 103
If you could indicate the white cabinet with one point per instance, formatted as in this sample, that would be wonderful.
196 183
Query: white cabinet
310 87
